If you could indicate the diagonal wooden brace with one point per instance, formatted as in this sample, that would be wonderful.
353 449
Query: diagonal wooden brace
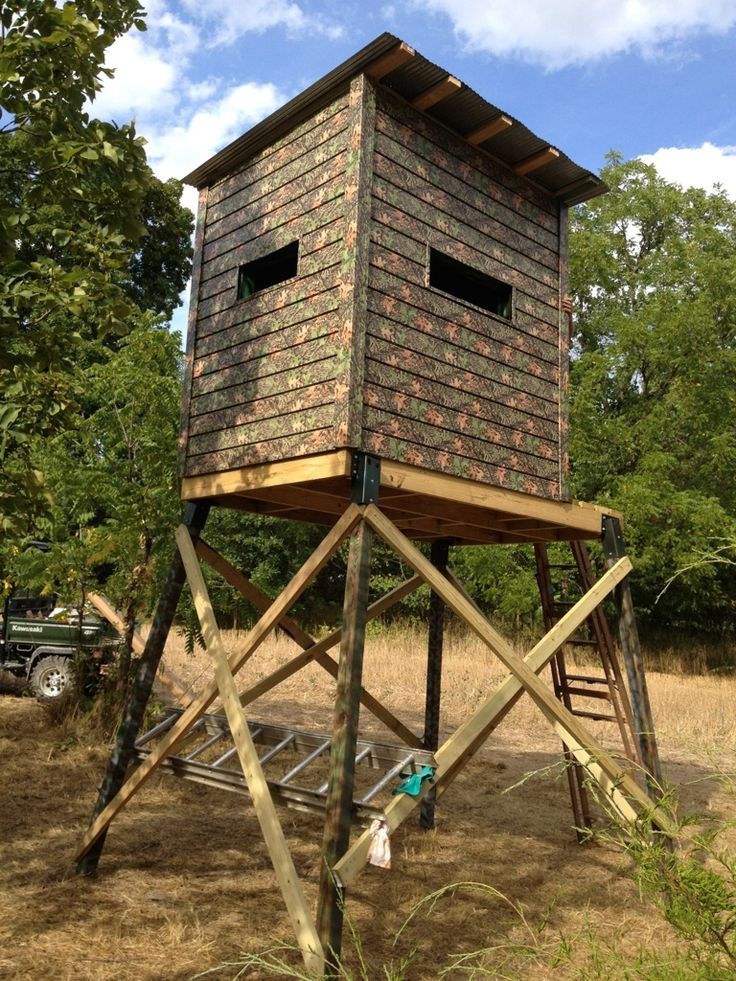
296 904
314 650
199 706
574 735
456 752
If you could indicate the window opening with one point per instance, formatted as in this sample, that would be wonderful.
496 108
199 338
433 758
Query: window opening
268 270
468 284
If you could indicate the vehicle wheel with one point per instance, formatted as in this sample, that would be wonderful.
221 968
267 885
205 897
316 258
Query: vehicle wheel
51 676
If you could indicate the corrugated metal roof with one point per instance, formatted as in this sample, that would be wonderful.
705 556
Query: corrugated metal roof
463 112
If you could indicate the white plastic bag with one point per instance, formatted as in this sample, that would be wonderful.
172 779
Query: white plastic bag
379 850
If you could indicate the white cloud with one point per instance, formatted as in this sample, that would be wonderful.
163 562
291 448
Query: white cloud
701 166
142 75
228 21
570 32
174 150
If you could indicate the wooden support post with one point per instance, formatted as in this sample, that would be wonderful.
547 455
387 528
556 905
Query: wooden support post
339 803
439 553
456 751
313 650
614 548
122 753
615 782
196 709
263 804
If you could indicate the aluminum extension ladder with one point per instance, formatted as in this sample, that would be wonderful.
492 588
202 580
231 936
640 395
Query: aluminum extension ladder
295 763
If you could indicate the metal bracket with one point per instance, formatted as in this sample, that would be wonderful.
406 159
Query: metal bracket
614 546
365 476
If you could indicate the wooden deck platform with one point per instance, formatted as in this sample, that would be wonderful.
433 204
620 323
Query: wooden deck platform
423 504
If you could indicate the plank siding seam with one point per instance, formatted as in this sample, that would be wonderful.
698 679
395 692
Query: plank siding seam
296 214
403 333
262 429
436 437
477 334
221 189
310 245
528 293
322 304
405 385
253 191
241 314
188 380
449 143
310 222
390 171
321 260
241 393
460 429
271 451
262 409
283 213
454 226
535 335
425 162
432 369
319 352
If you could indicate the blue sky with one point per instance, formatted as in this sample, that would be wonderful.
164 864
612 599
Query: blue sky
649 78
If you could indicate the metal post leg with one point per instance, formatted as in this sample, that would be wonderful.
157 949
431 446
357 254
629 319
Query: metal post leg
614 549
439 554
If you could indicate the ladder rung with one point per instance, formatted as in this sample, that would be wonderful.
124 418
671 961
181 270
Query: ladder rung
581 643
305 762
386 779
588 693
322 789
278 748
225 756
595 716
562 565
587 679
206 745
156 731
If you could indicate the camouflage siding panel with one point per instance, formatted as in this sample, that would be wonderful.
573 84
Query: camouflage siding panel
273 301
438 374
266 345
286 167
421 455
517 248
295 198
304 136
354 269
263 409
478 194
454 323
468 227
500 443
293 359
316 373
324 259
263 451
448 151
265 323
261 430
496 362
404 385
329 229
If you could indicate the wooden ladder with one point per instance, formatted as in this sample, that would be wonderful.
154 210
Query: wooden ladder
295 762
560 585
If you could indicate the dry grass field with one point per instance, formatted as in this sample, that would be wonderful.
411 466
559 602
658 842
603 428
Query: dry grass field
184 884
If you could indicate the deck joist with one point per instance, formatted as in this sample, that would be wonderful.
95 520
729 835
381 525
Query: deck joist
423 504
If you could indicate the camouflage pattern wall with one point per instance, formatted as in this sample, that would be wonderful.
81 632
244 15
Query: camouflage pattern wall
358 350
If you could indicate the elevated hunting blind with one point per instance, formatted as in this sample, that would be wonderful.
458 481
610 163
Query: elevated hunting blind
378 342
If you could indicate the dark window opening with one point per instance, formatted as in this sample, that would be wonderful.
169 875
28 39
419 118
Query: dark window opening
276 267
469 284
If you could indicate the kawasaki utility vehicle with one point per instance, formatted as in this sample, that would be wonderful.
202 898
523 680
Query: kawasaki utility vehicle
39 641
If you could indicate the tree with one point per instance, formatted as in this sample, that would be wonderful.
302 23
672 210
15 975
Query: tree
653 381
76 198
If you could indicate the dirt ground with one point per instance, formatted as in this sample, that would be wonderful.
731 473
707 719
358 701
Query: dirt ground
185 885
